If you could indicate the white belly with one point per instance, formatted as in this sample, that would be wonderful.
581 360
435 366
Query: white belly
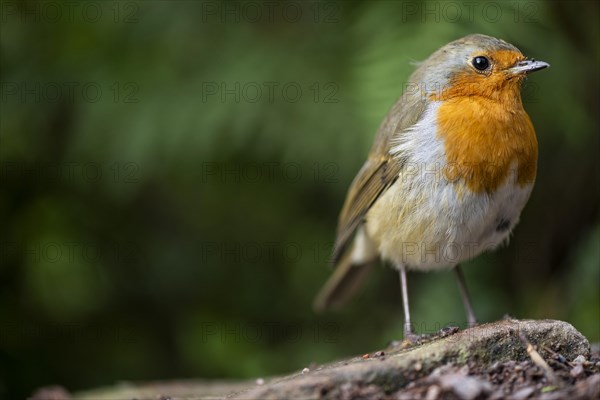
424 221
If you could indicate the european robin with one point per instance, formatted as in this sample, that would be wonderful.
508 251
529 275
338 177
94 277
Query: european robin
451 168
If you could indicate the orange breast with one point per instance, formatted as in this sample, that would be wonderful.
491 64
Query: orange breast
485 141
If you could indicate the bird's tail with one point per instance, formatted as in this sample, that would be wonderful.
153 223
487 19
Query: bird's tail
348 277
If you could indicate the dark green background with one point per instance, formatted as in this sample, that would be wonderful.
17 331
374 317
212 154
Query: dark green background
159 221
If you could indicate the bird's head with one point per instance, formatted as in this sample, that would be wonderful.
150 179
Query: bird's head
477 65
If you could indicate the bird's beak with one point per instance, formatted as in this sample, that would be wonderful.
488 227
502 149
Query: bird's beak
527 66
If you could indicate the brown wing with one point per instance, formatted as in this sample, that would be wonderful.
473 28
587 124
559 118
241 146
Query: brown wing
378 173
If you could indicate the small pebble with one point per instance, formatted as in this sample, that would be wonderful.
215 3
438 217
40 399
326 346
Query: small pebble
365 356
433 393
379 354
579 359
305 371
465 387
260 381
577 371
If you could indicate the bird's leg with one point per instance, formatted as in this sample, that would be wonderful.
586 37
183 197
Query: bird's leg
464 294
408 332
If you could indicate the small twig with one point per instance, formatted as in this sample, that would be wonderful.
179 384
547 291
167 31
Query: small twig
558 356
539 360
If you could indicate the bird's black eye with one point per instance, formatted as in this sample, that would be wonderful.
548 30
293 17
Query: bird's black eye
481 63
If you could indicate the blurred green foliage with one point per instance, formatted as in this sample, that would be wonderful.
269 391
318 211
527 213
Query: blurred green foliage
172 174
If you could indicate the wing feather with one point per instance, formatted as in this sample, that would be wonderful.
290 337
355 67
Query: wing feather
379 171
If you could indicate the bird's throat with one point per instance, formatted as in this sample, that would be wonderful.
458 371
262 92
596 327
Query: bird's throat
486 142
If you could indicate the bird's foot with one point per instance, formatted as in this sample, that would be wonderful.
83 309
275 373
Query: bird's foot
447 331
472 324
412 339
